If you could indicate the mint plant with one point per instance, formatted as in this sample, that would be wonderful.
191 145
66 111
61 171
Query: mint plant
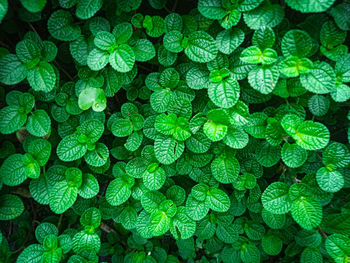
166 131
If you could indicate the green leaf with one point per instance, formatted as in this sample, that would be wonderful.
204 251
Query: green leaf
70 149
321 79
229 40
3 9
45 229
92 97
296 43
32 253
306 212
211 9
87 9
337 246
268 155
168 149
117 192
319 105
12 71
339 14
227 234
11 119
264 38
62 197
253 55
224 94
294 66
91 217
272 244
250 253
159 223
89 187
182 226
144 50
336 155
60 26
293 155
196 209
198 143
42 77
331 35
312 135
274 221
86 242
201 47
225 169
105 40
38 123
97 59
33 6
11 206
27 51
40 149
329 181
264 78
265 15
154 177
215 131
275 198
13 170
172 41
218 200
123 58
310 6
98 156
122 128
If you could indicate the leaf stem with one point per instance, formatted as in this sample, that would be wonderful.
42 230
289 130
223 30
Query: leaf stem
322 232
63 70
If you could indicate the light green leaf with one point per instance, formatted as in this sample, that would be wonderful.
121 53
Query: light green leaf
70 149
224 94
62 197
167 149
275 198
225 169
123 58
92 97
13 170
306 212
38 123
329 181
12 71
60 26
293 155
264 78
11 119
310 6
218 200
42 77
312 135
87 9
228 40
117 192
201 47
321 79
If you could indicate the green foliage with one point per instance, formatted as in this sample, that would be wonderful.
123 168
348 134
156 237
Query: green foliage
174 131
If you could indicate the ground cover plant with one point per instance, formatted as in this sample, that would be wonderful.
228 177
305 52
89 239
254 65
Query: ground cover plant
174 131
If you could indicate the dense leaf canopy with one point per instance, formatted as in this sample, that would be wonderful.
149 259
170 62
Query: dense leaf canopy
168 131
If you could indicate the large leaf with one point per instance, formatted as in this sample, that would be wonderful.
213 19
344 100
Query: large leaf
312 135
310 6
201 47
